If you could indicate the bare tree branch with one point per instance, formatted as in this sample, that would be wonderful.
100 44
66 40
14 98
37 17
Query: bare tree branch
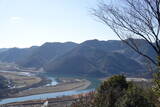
134 19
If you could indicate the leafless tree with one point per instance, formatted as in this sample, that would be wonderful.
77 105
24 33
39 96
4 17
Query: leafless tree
131 20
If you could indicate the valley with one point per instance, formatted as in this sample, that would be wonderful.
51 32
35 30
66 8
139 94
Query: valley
57 69
91 58
32 83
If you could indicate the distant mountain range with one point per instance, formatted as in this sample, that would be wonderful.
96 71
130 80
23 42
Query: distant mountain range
90 58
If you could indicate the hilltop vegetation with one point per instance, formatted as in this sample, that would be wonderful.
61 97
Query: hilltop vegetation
117 92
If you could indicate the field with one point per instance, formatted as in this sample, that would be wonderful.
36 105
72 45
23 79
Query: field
20 80
65 84
32 84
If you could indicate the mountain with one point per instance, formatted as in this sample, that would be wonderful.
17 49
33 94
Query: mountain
36 56
3 49
15 54
45 53
90 58
95 58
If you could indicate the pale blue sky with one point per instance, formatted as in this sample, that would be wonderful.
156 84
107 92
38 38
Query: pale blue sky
24 23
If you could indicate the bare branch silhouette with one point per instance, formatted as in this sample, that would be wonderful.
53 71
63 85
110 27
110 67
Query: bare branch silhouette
131 20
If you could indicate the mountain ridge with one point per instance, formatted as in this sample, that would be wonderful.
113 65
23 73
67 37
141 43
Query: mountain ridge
89 58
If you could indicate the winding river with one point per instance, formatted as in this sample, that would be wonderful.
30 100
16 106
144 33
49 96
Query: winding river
45 95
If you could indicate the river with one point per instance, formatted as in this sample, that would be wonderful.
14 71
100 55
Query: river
45 95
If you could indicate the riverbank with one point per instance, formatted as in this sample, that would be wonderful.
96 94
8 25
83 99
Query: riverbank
37 85
55 102
27 84
52 102
66 84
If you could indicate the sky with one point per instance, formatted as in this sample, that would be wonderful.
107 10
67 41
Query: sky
24 23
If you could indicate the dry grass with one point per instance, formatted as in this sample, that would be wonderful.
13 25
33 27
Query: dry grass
66 85
21 80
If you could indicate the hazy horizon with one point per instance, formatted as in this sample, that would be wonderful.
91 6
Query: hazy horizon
33 22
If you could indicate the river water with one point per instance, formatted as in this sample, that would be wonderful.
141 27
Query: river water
45 95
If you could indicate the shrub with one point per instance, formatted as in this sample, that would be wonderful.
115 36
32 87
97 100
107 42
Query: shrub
110 91
134 98
117 92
